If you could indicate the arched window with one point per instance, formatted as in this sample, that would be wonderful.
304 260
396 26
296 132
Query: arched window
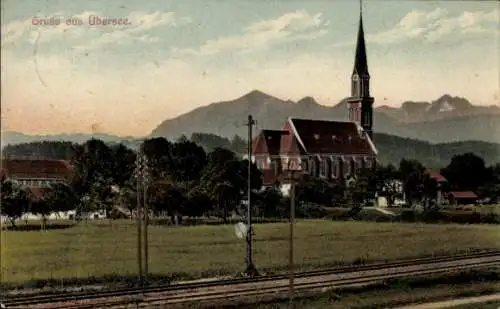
324 164
347 167
335 168
305 165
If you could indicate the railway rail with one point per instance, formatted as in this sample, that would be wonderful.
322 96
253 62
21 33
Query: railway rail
251 287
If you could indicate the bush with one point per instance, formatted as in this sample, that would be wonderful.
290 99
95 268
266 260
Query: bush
408 216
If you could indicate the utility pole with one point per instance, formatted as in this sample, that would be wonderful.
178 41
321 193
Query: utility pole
251 270
291 236
139 219
145 179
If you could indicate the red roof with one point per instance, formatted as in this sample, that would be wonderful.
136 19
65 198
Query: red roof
435 175
319 136
268 142
463 194
305 136
54 169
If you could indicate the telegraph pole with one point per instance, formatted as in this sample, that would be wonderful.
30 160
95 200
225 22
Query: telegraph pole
250 270
146 216
292 222
139 219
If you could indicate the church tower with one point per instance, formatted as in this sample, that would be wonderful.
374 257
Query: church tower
361 103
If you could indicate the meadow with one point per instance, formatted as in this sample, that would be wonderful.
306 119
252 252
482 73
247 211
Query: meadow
108 248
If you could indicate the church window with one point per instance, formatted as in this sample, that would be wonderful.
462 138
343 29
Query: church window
314 168
347 168
335 168
305 165
274 167
355 86
323 167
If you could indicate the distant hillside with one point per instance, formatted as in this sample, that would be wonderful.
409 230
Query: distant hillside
391 148
12 137
227 118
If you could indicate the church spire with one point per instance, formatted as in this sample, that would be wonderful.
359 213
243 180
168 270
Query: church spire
361 103
360 62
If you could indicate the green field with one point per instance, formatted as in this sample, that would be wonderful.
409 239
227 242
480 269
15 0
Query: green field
102 248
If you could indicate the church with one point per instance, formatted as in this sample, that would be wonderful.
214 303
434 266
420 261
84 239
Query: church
330 150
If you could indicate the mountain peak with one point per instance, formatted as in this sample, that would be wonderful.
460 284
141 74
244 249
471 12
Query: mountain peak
447 102
256 95
308 100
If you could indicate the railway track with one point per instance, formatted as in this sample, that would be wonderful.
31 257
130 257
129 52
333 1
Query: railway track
248 287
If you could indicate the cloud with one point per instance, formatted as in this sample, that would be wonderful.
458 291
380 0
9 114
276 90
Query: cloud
138 24
434 25
298 25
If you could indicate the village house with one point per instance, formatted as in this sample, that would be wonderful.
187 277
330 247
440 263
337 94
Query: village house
37 175
332 150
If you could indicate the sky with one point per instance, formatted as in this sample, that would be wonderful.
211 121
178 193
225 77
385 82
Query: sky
169 57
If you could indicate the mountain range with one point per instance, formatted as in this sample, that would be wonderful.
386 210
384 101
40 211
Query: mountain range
447 119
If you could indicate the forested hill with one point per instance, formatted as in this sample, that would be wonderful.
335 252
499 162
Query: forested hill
391 148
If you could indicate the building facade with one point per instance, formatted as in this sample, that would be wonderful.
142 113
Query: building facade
36 174
331 150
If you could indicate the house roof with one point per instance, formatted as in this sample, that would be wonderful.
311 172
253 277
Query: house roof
20 168
463 194
268 142
435 175
320 136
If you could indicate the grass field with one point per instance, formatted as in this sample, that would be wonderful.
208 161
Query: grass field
100 249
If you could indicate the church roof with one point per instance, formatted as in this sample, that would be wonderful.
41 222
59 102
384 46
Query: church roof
268 142
360 61
332 137
306 136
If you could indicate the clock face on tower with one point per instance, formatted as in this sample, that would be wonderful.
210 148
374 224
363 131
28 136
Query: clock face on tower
355 78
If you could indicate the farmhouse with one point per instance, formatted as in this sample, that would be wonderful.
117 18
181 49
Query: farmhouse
327 149
37 174
462 198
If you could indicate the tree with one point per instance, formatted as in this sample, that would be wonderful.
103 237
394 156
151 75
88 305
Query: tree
43 208
387 182
93 162
224 180
167 197
411 173
238 145
198 203
158 152
124 164
210 141
491 188
313 190
188 160
61 150
15 200
127 196
465 172
61 197
270 203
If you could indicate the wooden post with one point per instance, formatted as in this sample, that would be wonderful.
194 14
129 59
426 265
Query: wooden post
291 235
